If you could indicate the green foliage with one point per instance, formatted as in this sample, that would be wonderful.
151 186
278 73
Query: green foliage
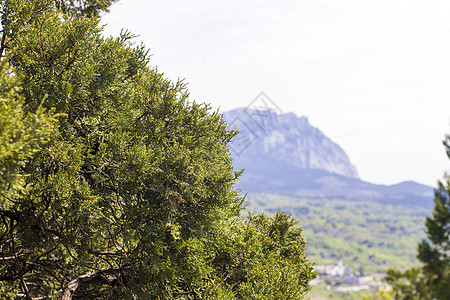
411 284
113 184
84 7
369 236
21 134
270 262
431 281
383 293
434 253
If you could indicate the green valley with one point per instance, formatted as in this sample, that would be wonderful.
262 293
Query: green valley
369 236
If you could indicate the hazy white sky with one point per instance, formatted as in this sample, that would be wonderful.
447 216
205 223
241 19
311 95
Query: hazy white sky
374 76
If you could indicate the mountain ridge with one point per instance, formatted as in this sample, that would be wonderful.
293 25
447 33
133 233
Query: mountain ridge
287 138
264 149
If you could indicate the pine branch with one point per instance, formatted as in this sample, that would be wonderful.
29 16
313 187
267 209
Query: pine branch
104 276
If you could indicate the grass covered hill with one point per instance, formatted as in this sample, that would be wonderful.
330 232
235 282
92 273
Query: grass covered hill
368 235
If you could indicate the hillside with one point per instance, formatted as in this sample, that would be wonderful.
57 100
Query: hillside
369 236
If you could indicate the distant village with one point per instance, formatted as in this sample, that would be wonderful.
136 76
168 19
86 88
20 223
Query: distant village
341 278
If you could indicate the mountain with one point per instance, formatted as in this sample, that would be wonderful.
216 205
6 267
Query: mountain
286 138
292 166
284 154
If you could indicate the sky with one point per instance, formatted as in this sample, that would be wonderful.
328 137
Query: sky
374 76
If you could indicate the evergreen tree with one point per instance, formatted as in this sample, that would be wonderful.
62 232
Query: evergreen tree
114 184
432 280
84 7
411 284
434 252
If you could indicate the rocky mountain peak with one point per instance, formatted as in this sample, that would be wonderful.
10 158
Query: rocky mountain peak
285 138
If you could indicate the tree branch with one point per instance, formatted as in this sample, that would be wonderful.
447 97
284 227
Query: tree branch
2 45
105 276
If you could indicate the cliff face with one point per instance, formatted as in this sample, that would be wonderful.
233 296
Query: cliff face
284 154
285 138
